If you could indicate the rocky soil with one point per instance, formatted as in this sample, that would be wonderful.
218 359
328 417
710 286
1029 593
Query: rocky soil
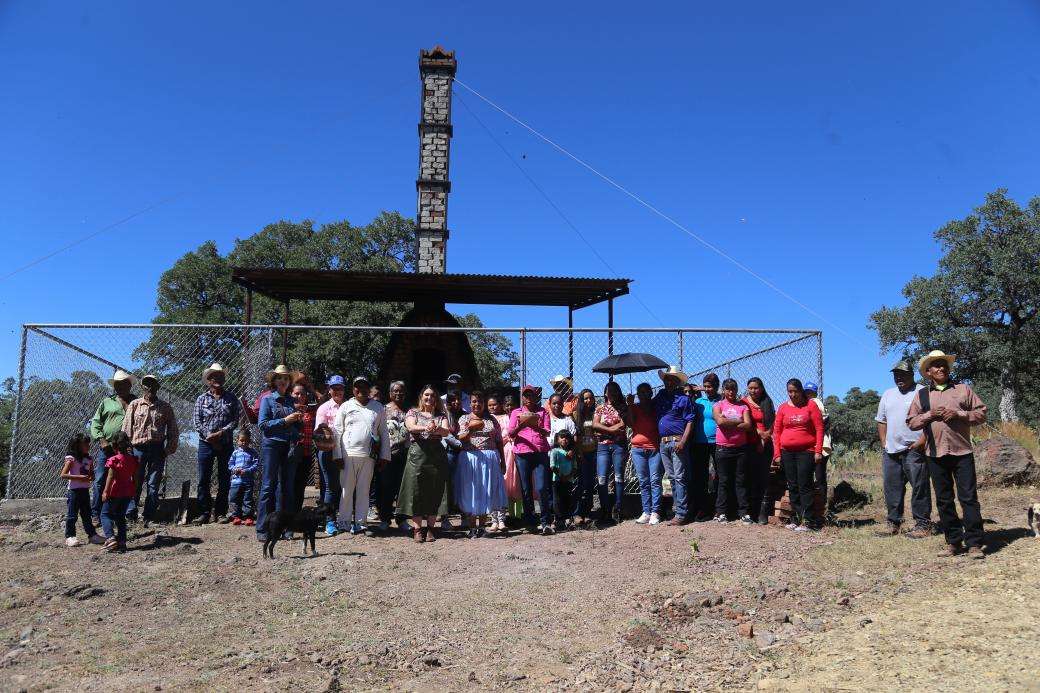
628 608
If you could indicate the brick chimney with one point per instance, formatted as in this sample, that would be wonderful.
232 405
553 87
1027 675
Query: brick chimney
436 70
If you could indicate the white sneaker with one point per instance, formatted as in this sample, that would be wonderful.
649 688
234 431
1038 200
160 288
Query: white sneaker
73 541
791 525
746 519
655 519
97 539
801 528
642 519
721 519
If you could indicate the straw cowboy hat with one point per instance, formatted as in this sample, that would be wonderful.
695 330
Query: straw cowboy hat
673 372
933 356
278 370
215 368
120 374
557 379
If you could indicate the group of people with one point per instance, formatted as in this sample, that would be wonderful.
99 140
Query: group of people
728 455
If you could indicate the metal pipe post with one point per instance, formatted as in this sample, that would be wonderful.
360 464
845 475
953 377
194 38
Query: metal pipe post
285 333
570 342
523 358
610 327
680 350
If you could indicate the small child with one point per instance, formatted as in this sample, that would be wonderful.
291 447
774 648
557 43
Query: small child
242 465
120 487
561 462
78 470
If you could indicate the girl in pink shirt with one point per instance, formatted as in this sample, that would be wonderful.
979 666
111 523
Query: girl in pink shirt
78 470
733 419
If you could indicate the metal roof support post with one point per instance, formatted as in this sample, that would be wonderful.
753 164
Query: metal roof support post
285 333
680 350
523 358
249 318
570 342
610 327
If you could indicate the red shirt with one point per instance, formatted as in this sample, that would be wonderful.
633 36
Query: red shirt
121 470
644 429
798 429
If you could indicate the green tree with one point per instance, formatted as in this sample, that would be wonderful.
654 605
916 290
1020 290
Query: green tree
852 422
198 289
497 361
982 303
7 400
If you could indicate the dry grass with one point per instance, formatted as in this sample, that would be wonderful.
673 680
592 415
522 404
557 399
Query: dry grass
1019 432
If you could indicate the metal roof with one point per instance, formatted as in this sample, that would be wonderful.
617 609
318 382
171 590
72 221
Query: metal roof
494 289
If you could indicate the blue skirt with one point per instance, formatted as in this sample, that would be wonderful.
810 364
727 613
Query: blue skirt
479 484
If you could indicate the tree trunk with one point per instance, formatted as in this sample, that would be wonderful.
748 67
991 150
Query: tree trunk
1008 397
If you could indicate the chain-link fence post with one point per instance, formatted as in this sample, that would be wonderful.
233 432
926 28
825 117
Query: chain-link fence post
680 349
17 408
523 357
819 359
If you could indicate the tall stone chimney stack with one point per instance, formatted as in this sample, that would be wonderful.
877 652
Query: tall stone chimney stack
437 71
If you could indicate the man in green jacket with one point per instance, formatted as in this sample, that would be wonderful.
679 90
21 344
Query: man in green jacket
107 421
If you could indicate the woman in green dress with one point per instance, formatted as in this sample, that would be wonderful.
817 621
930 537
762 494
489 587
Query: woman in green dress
426 470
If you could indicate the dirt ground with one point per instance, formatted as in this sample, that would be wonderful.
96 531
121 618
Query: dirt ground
628 608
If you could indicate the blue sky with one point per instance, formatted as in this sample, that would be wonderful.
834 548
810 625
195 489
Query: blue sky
820 145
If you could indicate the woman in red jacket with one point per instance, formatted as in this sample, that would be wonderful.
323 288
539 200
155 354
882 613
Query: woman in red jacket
798 440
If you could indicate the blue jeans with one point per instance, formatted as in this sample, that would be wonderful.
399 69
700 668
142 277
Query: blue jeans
207 458
607 455
151 462
277 476
677 467
100 476
78 503
586 484
113 512
240 497
647 464
533 468
331 489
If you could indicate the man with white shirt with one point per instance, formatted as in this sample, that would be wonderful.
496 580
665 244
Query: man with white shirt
361 425
902 459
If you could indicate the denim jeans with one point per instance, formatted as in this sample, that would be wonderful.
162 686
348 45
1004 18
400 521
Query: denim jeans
113 518
586 484
957 471
277 474
151 461
533 468
330 486
207 458
240 498
897 470
799 467
78 503
731 466
702 456
647 464
100 476
610 455
677 466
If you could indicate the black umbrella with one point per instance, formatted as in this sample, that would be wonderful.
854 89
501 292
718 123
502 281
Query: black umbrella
616 364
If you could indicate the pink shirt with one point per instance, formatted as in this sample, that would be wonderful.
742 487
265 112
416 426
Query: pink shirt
730 437
80 467
326 414
527 440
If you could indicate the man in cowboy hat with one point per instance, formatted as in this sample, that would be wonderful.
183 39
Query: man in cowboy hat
901 458
214 417
453 384
946 410
152 427
107 421
564 387
675 417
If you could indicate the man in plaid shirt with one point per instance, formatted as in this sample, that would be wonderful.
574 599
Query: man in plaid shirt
214 417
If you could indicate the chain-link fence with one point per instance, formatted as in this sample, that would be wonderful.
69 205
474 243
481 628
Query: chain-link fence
64 370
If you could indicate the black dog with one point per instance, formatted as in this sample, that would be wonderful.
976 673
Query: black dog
306 522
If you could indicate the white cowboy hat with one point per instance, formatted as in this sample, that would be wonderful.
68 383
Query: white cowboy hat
673 372
120 374
935 355
561 379
278 370
215 368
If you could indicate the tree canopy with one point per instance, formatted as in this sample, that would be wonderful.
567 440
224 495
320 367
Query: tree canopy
852 423
198 289
982 303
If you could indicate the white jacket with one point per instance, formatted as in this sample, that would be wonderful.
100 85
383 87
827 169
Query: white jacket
358 427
